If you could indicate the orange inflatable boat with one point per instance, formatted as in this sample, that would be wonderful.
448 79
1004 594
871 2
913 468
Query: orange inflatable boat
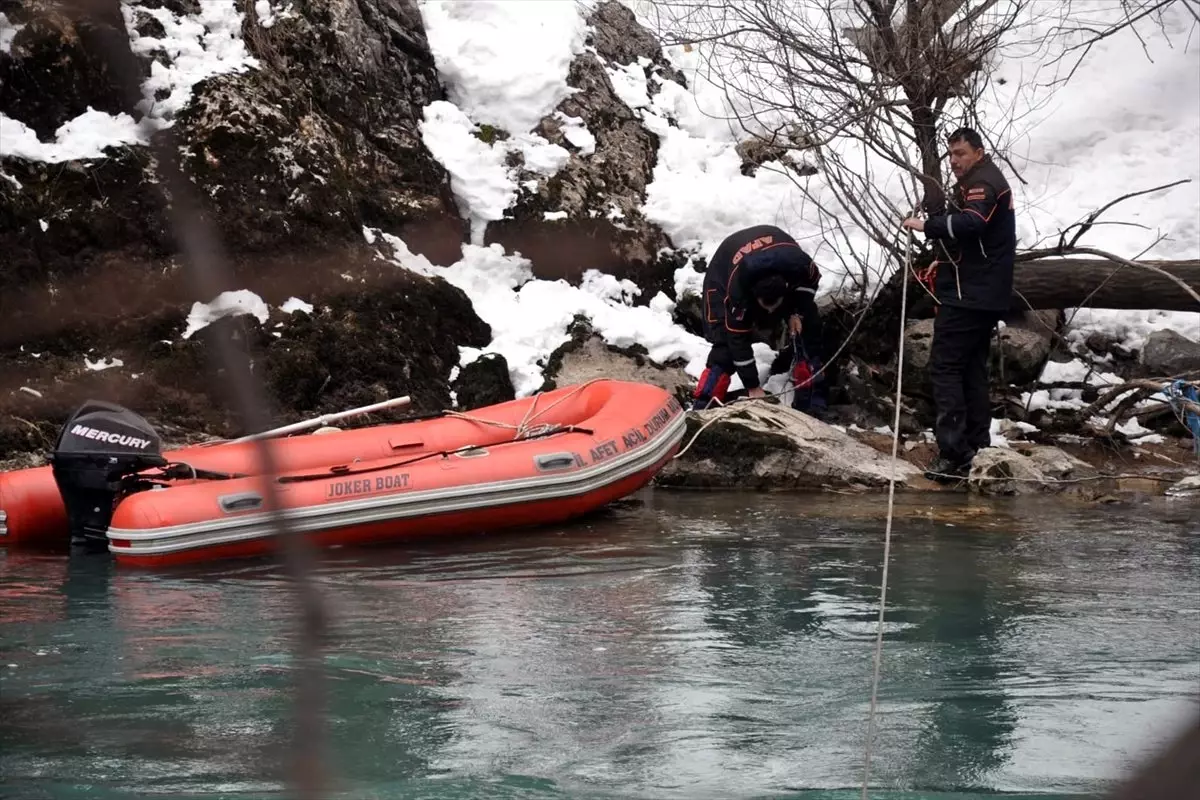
536 460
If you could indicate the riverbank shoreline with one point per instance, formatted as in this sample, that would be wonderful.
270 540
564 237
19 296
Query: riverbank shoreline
767 447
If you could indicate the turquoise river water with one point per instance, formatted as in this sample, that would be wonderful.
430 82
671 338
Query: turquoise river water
675 646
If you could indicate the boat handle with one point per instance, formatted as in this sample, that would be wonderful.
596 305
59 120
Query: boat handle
239 502
554 461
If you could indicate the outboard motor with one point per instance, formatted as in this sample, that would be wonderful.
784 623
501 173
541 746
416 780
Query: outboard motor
97 449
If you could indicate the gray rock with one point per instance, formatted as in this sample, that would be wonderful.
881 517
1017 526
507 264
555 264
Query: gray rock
1188 487
586 357
1170 353
767 446
1024 344
918 342
1029 469
618 36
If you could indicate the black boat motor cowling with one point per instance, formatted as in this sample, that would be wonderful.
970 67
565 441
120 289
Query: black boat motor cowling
98 447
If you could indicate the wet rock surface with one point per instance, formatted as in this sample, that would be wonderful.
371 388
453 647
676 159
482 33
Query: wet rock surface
768 446
1028 469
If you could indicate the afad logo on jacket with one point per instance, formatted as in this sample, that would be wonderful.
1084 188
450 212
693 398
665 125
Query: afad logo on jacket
751 246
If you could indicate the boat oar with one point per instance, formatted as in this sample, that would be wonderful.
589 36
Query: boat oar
325 419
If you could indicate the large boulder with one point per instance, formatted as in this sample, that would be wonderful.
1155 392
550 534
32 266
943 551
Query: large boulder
1023 345
1029 469
323 138
585 356
594 199
291 150
767 446
1168 352
57 68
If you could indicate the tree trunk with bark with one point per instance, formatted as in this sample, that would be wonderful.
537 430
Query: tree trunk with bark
1038 284
1093 282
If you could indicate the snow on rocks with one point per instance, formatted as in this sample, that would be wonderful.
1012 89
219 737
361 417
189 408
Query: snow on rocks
504 65
85 136
226 304
483 186
191 47
530 317
186 49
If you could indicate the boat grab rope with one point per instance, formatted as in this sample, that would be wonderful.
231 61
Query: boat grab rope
525 429
345 469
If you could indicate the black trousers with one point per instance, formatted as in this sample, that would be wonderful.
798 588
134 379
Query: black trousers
958 366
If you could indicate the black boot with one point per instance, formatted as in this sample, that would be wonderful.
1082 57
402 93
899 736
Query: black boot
948 470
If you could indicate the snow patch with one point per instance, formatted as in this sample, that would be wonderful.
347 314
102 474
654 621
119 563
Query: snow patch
85 136
103 363
195 46
530 317
576 132
629 84
293 304
505 62
227 304
267 15
8 32
482 185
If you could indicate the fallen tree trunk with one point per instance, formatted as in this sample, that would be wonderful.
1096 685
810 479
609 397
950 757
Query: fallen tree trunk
1039 282
1097 283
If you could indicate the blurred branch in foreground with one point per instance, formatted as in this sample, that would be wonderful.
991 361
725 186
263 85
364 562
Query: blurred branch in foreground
206 268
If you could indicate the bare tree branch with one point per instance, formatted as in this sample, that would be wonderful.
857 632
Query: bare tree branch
1087 224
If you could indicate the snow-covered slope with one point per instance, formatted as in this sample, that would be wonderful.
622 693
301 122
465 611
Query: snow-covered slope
1129 120
1125 123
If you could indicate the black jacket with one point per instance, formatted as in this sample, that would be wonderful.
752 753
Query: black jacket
976 241
731 314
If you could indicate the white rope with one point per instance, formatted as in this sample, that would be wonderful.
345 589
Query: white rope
887 531
525 428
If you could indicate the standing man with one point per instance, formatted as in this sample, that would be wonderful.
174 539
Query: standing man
976 243
757 278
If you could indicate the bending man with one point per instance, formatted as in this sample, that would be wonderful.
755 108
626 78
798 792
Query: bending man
757 278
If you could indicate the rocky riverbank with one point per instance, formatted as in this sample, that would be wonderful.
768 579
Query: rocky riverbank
306 132
762 445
